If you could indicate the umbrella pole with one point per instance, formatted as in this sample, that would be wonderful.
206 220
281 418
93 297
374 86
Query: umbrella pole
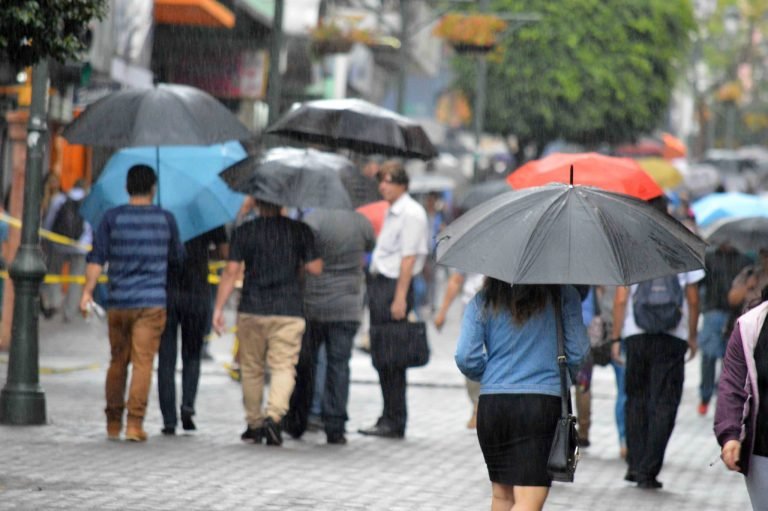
571 175
157 166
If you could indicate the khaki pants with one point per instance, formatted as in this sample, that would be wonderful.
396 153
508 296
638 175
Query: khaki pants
134 338
274 342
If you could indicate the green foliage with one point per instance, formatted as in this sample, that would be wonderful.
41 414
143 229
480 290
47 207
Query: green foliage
31 30
589 71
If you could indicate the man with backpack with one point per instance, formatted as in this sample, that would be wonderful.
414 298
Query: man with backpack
63 218
657 321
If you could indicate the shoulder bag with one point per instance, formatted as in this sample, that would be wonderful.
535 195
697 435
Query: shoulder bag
399 344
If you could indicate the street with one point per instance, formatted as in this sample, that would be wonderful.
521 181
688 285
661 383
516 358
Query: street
69 464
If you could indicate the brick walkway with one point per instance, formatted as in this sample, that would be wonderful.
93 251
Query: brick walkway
68 464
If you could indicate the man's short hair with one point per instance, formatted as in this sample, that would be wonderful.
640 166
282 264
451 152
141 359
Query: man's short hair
394 172
141 179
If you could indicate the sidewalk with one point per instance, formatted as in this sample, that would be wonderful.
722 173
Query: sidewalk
68 464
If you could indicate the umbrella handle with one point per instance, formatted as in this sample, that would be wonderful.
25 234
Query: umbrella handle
571 175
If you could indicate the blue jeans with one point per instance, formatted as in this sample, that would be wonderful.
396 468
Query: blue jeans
191 314
337 336
712 343
621 402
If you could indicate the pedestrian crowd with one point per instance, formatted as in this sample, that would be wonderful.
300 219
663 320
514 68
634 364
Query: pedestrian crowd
305 282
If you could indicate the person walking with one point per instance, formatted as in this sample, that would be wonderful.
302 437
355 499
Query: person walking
333 304
508 342
722 264
275 251
655 364
189 308
398 256
741 416
137 241
63 218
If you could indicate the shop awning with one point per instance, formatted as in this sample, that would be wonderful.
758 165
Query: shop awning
206 13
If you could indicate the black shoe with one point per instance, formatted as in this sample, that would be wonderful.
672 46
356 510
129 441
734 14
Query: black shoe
169 431
650 484
337 439
381 430
584 442
273 432
291 429
253 435
630 476
186 422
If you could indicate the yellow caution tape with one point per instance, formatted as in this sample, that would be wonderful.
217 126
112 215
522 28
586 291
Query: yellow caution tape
44 233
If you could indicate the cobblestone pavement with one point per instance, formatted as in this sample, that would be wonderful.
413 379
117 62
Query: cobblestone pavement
69 464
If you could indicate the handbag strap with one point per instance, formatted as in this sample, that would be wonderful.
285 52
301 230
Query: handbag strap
565 394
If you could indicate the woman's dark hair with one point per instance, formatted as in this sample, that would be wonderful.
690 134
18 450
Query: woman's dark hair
141 179
521 300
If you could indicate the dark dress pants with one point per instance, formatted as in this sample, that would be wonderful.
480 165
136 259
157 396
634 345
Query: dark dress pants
338 337
381 292
654 386
191 313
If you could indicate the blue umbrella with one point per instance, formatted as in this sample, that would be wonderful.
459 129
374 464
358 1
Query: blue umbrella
189 186
717 206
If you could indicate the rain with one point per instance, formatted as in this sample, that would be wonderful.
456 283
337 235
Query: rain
383 254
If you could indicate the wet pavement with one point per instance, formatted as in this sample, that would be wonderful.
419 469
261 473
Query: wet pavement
69 464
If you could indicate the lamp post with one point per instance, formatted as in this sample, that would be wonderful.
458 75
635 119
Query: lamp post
22 401
274 84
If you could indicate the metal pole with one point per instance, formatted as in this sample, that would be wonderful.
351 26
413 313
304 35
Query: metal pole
404 57
479 107
274 82
22 400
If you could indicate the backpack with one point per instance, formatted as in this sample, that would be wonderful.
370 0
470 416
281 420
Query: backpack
68 221
658 304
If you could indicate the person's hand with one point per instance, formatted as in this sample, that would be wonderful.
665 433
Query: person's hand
398 309
616 351
218 321
730 454
439 320
85 299
693 347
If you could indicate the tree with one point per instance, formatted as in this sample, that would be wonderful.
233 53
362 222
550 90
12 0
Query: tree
31 30
590 71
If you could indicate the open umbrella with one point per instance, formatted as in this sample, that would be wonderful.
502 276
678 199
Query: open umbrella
561 234
190 186
166 114
717 206
300 178
481 192
620 175
357 125
746 234
375 212
662 171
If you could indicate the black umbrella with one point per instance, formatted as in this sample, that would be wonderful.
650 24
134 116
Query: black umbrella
745 234
357 125
481 192
301 178
561 234
163 115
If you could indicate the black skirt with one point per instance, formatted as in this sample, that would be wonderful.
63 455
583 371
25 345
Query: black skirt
515 433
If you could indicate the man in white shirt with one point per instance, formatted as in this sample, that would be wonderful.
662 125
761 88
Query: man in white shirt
399 255
654 377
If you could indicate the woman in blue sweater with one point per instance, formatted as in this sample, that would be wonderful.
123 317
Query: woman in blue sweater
508 343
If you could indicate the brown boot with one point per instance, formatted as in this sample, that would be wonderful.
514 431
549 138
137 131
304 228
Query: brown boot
113 430
134 432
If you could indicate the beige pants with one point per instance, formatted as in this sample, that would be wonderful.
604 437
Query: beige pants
273 342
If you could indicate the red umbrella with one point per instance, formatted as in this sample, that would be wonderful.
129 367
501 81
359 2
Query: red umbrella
621 175
375 212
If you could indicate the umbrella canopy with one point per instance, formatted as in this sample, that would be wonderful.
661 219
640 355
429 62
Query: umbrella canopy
357 125
748 234
673 146
662 171
620 175
717 206
481 192
561 234
375 212
299 178
189 185
163 115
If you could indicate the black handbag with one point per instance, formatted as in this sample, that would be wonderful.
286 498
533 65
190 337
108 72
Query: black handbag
564 453
399 344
